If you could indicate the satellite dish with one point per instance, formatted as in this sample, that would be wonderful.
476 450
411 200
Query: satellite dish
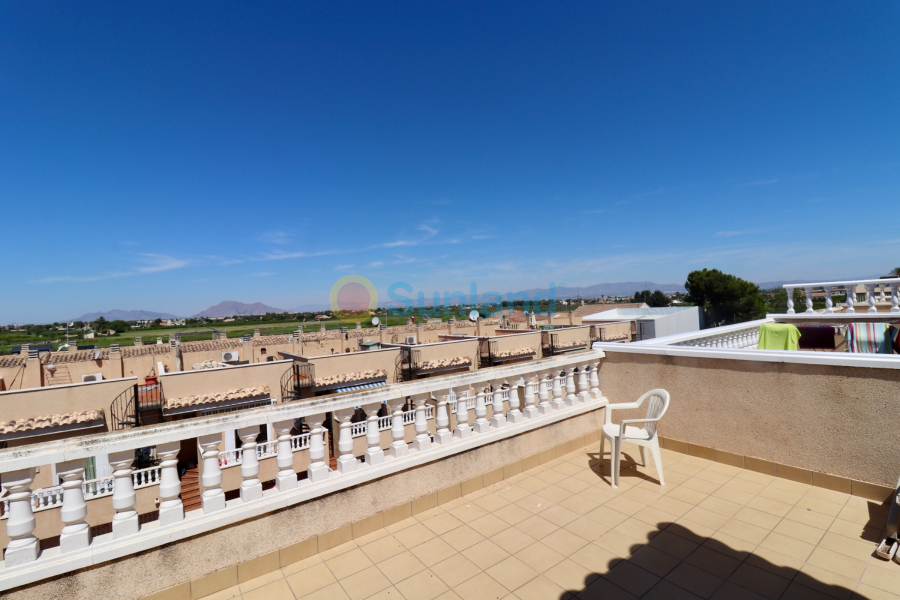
473 316
375 321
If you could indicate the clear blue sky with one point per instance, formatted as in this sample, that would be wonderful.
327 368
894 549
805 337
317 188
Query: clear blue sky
170 156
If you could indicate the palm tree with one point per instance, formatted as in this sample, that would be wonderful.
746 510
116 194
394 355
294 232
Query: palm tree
895 272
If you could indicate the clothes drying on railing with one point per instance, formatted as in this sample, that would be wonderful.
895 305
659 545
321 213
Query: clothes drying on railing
869 338
778 336
894 335
817 337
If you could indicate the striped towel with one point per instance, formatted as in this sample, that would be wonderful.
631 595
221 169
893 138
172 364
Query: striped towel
894 334
867 337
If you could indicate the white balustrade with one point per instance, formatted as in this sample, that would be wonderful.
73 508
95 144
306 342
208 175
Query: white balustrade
23 546
318 469
530 411
583 386
251 486
286 479
422 440
374 452
544 407
213 496
876 290
171 509
481 424
744 337
442 421
76 534
571 398
125 521
558 402
462 430
514 415
595 380
399 447
498 419
346 461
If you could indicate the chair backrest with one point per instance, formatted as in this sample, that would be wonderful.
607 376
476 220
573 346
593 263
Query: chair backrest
656 408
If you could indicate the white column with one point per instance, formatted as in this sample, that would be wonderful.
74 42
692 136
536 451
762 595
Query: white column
870 296
423 438
125 521
442 435
809 300
895 299
251 487
213 497
498 419
571 398
544 407
462 430
374 453
318 469
790 300
829 303
399 447
514 415
595 380
286 479
850 291
481 424
530 411
171 509
23 545
346 461
583 385
557 403
76 534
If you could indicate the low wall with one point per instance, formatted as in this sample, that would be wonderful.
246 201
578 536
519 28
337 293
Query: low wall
817 419
294 533
212 381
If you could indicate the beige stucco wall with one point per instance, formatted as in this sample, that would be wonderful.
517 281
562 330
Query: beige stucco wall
514 340
581 333
161 568
338 364
834 420
35 402
211 381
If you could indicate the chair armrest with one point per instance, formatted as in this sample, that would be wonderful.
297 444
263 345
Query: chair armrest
612 407
625 422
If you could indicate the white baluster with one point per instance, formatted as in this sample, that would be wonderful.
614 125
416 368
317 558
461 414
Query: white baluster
498 419
809 299
346 461
790 300
251 487
544 407
76 534
399 447
462 430
442 423
213 497
850 290
571 398
895 298
318 469
514 415
286 479
481 424
23 546
530 411
870 297
829 303
171 509
422 440
557 403
583 386
125 521
595 380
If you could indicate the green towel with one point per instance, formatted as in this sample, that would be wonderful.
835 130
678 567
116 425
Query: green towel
778 336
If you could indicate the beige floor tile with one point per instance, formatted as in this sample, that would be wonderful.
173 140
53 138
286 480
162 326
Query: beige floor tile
639 531
489 525
310 580
301 565
574 486
586 528
756 477
792 486
252 584
570 575
226 594
512 573
424 585
414 535
404 565
799 531
854 548
433 551
513 514
713 476
277 590
553 494
733 495
534 504
593 557
480 587
706 517
867 592
618 543
655 516
462 538
758 518
442 523
855 531
788 546
882 575
338 550
348 563
514 493
701 485
773 492
626 506
541 588
861 516
694 580
687 495
666 590
631 578
729 545
539 556
491 502
371 537
840 564
512 540
774 562
657 562
730 591
364 584
430 513
796 591
537 527
745 531
642 494
760 581
691 530
468 512
825 581
485 554
455 569
532 484
744 485
767 505
606 516
580 505
825 507
720 506
400 525
720 565
564 542
383 549
675 545
393 593
601 589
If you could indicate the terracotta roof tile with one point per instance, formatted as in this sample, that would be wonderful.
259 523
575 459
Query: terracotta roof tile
200 399
34 423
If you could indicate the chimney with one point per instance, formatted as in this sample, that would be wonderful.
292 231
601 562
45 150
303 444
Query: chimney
116 367
256 333
138 341
247 348
382 333
159 340
321 326
34 370
24 349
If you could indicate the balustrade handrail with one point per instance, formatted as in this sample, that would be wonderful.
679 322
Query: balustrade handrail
887 280
849 288
384 423
232 458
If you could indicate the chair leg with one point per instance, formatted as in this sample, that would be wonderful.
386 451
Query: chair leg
643 455
602 444
654 450
617 460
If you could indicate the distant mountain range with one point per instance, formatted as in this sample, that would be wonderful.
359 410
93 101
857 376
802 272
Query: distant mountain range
230 308
125 315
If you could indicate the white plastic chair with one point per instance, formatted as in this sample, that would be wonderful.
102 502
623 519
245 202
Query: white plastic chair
645 436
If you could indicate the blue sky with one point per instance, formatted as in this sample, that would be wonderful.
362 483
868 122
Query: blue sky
173 155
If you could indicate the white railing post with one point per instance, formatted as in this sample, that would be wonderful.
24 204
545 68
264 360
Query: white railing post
544 407
514 415
23 545
530 411
850 290
422 440
318 469
374 453
557 403
213 497
286 479
462 430
442 434
125 521
481 424
171 509
595 380
583 386
790 300
809 299
346 461
895 299
498 419
399 447
251 487
571 398
76 534
829 303
870 297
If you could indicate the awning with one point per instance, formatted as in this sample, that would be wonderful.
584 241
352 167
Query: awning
356 388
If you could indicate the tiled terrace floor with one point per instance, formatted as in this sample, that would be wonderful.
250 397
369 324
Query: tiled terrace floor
560 531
